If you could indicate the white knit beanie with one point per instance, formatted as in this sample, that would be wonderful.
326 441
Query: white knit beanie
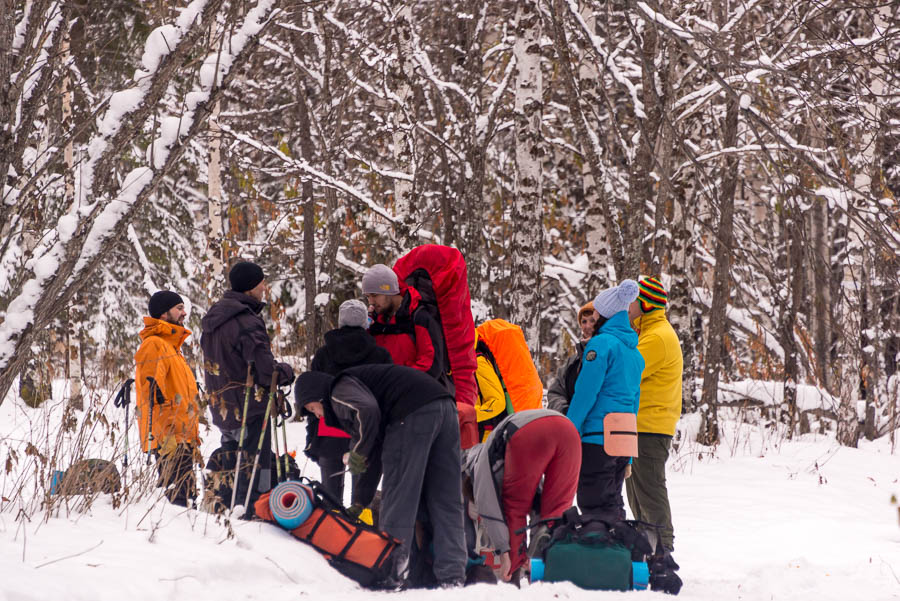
615 299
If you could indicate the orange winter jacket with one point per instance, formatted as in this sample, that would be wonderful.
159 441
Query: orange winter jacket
159 357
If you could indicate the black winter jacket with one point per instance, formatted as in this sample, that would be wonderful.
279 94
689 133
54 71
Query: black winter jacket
365 400
344 347
234 334
348 347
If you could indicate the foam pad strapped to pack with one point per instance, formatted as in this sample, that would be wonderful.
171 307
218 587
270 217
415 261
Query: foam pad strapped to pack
291 504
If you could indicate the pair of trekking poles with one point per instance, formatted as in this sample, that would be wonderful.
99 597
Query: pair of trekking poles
283 413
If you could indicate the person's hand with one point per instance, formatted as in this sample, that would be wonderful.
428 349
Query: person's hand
355 509
503 572
628 471
357 463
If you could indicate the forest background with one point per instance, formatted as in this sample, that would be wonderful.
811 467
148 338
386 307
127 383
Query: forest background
746 152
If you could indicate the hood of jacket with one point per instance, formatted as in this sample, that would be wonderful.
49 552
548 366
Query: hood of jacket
648 320
232 303
173 334
619 326
349 345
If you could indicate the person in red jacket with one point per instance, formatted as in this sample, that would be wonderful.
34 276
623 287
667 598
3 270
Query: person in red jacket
402 325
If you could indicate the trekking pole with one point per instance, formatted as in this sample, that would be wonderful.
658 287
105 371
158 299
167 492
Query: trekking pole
123 399
274 421
154 388
248 386
284 417
262 435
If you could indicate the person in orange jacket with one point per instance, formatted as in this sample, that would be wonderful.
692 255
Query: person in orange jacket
167 397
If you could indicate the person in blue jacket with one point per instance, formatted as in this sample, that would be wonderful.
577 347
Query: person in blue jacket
610 381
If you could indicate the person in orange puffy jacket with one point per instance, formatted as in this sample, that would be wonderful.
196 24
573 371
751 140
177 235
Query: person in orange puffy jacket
167 397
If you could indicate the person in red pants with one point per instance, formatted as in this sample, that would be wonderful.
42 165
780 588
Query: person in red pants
522 449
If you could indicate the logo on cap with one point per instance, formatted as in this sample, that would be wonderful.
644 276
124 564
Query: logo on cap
385 286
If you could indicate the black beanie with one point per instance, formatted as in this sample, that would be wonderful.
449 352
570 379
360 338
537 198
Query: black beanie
245 276
161 302
311 386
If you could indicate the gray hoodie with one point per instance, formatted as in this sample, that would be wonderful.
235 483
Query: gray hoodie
484 464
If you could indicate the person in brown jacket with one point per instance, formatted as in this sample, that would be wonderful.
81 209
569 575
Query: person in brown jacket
167 397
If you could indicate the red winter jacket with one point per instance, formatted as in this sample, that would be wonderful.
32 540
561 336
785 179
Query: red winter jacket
412 336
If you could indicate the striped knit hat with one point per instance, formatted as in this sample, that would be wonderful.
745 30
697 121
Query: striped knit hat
652 295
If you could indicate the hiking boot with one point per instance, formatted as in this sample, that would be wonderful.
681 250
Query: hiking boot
540 536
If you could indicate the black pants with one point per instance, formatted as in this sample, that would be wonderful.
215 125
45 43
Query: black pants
331 464
600 483
176 475
421 459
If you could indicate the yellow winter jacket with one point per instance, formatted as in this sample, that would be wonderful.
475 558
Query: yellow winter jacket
660 404
159 357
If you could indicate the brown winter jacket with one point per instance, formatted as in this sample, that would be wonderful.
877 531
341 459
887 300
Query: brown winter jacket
175 421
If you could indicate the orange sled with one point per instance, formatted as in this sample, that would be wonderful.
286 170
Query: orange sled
358 551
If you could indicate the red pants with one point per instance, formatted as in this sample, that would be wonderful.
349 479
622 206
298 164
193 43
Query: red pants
549 447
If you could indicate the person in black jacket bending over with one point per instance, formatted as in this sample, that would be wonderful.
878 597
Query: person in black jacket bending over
234 336
347 346
404 421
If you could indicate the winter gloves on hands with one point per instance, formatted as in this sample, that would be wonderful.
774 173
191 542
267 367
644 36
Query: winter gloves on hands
357 463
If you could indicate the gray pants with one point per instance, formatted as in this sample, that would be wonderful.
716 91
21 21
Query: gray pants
421 461
646 489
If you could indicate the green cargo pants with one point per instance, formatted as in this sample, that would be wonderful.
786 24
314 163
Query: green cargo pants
646 488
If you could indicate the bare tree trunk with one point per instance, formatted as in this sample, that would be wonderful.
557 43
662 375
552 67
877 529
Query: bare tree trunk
527 240
789 304
401 75
594 194
590 147
823 315
715 344
73 316
310 284
640 184
680 309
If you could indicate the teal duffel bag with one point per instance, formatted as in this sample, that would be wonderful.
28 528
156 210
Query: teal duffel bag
590 561
594 554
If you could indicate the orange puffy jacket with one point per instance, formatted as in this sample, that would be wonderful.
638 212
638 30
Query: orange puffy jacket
160 358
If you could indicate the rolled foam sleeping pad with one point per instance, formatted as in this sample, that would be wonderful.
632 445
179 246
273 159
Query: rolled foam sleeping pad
537 569
640 575
291 504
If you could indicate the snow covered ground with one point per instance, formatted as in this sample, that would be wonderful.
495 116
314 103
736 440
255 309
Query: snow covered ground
761 518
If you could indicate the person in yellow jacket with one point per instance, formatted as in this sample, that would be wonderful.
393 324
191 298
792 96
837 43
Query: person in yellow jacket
493 404
660 408
163 376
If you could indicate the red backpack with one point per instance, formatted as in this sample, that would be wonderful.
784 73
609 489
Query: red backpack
439 275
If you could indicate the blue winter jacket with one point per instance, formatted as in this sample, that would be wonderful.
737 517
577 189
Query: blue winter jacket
610 378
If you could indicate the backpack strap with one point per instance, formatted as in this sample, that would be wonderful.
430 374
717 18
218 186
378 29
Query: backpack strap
482 347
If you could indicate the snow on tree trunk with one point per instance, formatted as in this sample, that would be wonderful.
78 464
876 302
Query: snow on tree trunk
788 290
400 76
63 263
214 238
721 293
526 243
820 283
73 313
680 310
599 274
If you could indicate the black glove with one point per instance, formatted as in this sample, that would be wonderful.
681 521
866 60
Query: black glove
155 393
355 509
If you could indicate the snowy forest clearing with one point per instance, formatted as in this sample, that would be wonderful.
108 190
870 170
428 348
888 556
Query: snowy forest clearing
759 518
